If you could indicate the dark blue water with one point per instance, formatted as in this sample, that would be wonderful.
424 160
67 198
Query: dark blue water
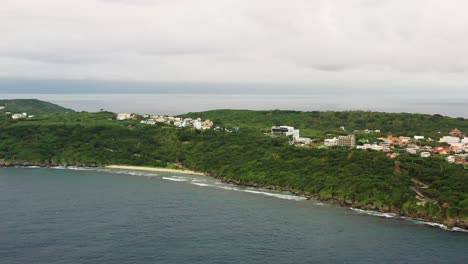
67 216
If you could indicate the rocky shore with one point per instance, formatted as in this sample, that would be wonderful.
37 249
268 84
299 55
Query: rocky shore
450 223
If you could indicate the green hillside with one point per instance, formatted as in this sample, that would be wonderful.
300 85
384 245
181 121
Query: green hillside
318 123
31 106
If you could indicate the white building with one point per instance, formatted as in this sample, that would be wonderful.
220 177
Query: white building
369 146
331 142
301 141
412 150
450 159
124 116
19 116
284 131
197 125
425 154
449 139
419 137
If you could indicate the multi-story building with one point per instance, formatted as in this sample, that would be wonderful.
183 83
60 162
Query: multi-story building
347 141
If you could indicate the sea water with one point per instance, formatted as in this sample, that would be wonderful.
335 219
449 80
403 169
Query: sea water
115 216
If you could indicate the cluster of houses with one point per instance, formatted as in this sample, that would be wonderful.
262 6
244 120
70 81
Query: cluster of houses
456 144
179 122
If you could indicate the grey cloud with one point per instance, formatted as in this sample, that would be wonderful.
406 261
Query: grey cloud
310 42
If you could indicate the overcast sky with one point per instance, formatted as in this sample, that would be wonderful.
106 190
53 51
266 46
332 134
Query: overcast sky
416 44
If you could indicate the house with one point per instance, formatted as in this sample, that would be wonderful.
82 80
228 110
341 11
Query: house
461 158
123 116
449 139
403 141
372 147
347 141
197 125
19 116
450 159
284 131
413 151
148 122
418 137
331 142
2 107
441 150
455 132
300 140
425 154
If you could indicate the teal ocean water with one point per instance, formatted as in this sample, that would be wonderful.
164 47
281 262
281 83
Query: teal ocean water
103 216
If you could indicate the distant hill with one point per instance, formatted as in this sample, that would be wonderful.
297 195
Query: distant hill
31 106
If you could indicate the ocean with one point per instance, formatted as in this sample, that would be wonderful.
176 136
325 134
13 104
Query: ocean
112 216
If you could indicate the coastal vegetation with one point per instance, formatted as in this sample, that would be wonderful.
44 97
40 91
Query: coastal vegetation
367 179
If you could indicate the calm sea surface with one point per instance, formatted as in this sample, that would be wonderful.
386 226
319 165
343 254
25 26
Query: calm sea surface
103 216
453 105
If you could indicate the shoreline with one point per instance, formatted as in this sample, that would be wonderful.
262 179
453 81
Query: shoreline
448 224
155 169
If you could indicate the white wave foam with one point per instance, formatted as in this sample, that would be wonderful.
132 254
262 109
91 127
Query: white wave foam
133 173
176 179
277 195
202 184
59 168
79 168
319 204
457 229
442 226
374 213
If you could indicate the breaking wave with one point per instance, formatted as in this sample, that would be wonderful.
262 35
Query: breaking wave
175 178
374 213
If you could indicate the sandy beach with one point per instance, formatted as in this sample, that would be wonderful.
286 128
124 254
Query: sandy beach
141 168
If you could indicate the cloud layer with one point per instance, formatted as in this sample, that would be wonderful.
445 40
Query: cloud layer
418 43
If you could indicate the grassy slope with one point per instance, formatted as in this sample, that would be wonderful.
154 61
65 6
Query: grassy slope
32 106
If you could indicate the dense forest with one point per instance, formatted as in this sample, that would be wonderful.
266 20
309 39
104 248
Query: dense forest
366 177
320 123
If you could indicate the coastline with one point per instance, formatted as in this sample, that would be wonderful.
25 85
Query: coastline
155 169
446 224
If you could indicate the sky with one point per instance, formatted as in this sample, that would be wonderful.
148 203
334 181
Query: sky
379 45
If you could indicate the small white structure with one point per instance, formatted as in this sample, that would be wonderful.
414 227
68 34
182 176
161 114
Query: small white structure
19 116
450 159
284 131
425 154
300 140
197 125
419 137
2 107
413 151
369 146
123 116
449 139
331 142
